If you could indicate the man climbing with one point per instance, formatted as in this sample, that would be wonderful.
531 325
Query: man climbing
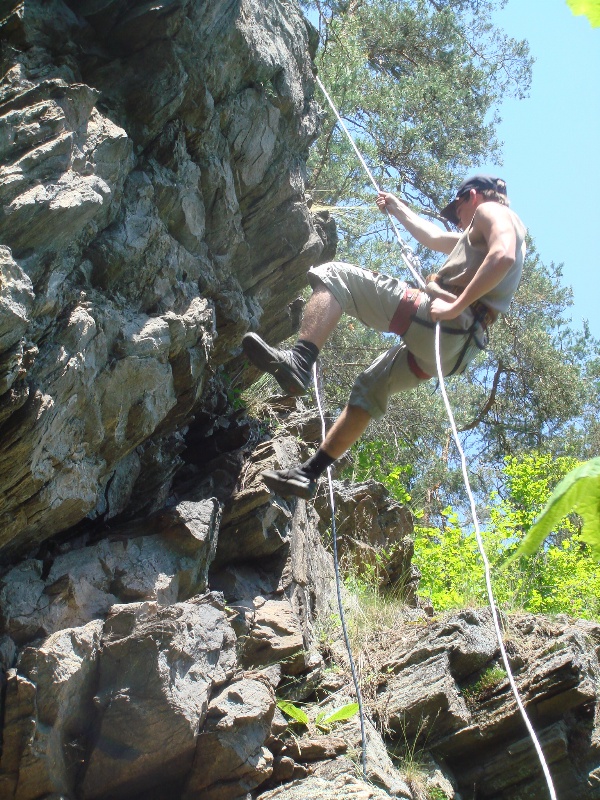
474 285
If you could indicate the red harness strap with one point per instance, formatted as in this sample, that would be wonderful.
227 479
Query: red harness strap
416 369
407 308
400 323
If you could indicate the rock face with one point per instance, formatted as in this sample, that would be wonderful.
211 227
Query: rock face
151 156
447 688
114 648
155 599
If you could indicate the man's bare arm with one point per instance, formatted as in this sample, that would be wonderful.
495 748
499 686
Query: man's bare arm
492 222
425 232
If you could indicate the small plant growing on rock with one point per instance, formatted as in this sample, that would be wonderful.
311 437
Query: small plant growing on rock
435 793
324 721
489 679
295 713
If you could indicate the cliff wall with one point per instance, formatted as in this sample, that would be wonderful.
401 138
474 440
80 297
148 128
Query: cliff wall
152 210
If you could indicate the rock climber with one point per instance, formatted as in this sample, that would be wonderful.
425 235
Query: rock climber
475 284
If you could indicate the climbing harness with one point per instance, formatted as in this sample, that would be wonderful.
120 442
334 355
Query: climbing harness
409 258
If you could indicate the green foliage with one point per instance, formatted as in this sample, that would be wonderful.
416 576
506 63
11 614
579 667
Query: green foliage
375 460
560 578
415 81
489 678
449 564
234 393
325 721
579 492
590 8
293 711
369 609
435 793
418 84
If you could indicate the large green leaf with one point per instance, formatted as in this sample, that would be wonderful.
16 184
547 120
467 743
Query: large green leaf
293 711
579 491
591 9
339 715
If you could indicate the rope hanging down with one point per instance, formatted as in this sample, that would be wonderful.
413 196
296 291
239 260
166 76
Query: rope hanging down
405 251
407 254
488 579
338 586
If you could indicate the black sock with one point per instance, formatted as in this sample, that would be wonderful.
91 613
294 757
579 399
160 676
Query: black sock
305 354
317 463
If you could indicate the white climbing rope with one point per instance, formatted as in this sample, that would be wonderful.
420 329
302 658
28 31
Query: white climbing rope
407 255
405 251
488 578
338 586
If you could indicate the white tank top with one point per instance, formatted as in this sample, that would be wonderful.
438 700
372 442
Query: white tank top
466 258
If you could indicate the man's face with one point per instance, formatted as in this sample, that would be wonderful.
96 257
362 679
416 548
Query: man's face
465 208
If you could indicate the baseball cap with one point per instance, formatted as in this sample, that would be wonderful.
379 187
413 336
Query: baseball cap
479 182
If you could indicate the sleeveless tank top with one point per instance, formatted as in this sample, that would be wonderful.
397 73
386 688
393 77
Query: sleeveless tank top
466 258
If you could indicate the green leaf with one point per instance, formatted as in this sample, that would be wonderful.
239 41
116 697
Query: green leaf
579 492
293 711
591 9
319 719
339 715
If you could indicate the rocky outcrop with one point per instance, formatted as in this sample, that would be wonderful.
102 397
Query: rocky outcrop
113 648
375 532
151 157
448 692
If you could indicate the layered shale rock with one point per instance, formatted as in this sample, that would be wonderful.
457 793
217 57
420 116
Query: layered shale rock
446 690
151 211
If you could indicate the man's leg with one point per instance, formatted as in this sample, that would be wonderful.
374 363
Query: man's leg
321 315
388 374
301 481
292 368
347 429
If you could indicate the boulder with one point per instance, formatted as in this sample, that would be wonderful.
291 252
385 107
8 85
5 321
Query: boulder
48 713
165 558
231 757
157 671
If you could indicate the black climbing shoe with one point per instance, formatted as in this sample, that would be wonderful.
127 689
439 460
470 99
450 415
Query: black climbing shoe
281 364
292 482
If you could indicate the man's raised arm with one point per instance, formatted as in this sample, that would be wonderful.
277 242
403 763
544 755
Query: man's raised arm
425 232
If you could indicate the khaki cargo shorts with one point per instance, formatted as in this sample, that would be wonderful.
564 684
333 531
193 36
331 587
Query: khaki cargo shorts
390 305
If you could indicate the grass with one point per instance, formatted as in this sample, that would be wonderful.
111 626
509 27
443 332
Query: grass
488 680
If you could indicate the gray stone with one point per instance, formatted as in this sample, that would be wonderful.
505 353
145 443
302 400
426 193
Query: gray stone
48 712
254 523
231 757
157 671
275 637
375 531
477 734
347 786
165 558
151 157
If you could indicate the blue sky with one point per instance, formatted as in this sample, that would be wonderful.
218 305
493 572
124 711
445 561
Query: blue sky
552 145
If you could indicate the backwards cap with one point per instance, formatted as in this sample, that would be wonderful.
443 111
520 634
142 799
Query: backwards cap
478 182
